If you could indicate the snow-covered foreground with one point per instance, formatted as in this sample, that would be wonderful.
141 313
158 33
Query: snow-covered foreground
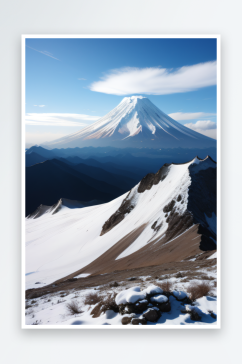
52 309
63 243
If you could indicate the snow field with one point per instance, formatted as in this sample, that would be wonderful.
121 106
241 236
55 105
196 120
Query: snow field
60 244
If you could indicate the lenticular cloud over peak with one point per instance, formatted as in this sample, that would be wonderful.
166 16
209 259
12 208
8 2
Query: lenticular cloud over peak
156 80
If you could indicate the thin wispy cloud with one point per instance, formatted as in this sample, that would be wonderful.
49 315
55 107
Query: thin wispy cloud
178 116
41 138
205 127
156 80
59 119
46 53
82 79
40 105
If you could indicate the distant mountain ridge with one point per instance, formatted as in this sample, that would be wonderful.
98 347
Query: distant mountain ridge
52 180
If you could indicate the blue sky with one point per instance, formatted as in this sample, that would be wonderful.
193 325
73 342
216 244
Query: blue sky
72 82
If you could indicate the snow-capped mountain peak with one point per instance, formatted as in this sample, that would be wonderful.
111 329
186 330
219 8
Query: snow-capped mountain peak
136 122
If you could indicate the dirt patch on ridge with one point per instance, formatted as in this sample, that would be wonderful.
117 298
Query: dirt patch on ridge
155 271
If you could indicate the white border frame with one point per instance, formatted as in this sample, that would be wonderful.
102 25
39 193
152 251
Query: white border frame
121 327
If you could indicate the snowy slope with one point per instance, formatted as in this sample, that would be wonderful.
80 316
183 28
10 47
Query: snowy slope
62 243
135 122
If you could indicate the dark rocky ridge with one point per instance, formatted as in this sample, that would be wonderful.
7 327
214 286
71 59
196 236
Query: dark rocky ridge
125 208
153 179
41 210
201 201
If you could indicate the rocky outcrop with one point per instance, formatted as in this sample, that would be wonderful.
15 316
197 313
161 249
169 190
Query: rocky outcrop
126 320
153 179
125 208
152 315
137 321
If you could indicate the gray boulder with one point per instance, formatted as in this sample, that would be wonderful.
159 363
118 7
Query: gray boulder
152 315
137 321
126 320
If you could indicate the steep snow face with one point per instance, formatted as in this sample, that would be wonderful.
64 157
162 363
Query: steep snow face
135 116
62 243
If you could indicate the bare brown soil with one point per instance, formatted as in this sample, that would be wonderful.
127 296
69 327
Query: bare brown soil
157 252
164 271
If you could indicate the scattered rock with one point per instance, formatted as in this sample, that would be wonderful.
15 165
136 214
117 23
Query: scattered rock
97 310
211 313
194 315
35 295
184 310
37 282
110 314
126 320
114 284
152 315
179 275
153 291
169 206
188 301
130 308
137 321
130 296
164 307
132 279
179 295
159 299
71 280
141 306
126 309
155 227
179 198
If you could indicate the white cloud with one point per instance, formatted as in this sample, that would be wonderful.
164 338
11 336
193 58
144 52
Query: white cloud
57 119
46 53
202 124
189 115
205 127
157 81
40 105
40 138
